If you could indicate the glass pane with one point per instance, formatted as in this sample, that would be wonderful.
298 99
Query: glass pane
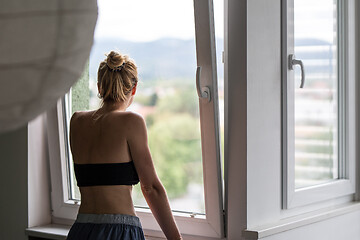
77 100
160 37
316 105
219 39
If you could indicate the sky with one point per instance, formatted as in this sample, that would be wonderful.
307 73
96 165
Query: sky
315 19
148 20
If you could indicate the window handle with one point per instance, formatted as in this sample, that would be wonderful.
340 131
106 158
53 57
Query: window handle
293 61
203 92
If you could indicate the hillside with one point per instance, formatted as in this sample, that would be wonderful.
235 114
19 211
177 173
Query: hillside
163 58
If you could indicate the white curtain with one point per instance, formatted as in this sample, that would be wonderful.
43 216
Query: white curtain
44 45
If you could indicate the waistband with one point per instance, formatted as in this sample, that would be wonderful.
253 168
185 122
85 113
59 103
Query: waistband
108 218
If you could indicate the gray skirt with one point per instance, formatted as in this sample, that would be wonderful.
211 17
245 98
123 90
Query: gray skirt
106 227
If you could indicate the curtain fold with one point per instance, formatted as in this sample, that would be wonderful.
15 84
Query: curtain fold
44 46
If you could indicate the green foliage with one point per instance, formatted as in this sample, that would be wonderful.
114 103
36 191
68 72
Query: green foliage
80 93
153 99
184 100
150 119
176 151
174 137
145 100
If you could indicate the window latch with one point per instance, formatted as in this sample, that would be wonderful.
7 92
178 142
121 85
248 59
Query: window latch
203 92
293 61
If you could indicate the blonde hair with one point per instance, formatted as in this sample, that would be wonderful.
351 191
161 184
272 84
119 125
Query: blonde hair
117 75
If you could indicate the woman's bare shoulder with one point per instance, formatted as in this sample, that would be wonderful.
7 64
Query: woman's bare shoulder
78 115
133 116
134 120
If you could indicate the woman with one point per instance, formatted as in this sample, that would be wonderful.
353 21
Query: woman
111 153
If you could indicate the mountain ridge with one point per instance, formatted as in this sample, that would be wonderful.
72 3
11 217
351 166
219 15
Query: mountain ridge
167 58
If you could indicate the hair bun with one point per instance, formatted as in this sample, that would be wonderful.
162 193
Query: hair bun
114 60
117 76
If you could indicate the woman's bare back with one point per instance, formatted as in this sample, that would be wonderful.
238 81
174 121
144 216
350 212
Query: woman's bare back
102 141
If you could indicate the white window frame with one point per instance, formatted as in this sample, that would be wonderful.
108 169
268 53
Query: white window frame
62 206
345 185
65 210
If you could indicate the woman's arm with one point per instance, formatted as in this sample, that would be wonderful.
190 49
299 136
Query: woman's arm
153 190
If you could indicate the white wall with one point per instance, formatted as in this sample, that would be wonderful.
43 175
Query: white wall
38 173
24 180
13 184
235 117
264 112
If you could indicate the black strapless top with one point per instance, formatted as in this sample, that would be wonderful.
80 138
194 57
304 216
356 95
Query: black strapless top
99 174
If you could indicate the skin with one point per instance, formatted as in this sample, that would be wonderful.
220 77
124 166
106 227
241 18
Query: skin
119 136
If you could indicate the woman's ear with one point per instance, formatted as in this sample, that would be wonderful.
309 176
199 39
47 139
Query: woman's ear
133 91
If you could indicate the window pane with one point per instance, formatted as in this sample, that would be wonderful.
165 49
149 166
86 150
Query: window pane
160 37
316 105
219 38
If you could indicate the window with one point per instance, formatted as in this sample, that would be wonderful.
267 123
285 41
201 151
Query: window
184 130
318 102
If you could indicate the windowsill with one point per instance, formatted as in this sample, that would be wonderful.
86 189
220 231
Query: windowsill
59 232
51 231
299 221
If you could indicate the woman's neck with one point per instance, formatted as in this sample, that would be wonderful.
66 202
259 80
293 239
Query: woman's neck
114 106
